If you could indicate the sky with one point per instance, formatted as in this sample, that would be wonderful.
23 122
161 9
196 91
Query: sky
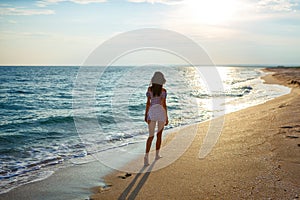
65 32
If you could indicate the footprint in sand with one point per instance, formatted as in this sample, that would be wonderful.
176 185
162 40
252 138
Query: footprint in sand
125 176
292 136
106 187
286 127
293 129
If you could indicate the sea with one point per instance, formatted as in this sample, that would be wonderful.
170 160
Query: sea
38 133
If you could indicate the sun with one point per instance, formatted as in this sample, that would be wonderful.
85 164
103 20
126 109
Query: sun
211 11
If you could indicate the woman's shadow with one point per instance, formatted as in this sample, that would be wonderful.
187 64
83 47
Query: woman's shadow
126 193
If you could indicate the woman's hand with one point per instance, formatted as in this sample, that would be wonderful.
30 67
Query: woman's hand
167 121
146 119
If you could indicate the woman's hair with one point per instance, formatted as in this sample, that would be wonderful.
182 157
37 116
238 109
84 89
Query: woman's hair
156 89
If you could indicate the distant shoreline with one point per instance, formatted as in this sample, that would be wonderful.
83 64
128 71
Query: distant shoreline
178 65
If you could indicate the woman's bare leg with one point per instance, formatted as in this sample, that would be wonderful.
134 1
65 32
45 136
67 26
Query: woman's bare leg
151 127
158 139
148 144
148 147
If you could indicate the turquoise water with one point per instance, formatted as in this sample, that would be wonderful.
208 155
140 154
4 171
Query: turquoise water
37 131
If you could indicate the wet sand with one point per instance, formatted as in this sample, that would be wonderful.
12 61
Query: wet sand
257 157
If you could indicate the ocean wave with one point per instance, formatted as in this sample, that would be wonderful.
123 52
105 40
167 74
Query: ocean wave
33 121
234 92
56 120
19 106
7 185
241 80
18 170
137 107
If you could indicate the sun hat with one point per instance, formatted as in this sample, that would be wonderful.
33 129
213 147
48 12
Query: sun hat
158 78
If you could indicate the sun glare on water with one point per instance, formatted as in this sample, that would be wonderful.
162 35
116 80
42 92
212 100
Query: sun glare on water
211 11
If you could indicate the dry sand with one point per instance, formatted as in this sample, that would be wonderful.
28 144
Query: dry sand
256 157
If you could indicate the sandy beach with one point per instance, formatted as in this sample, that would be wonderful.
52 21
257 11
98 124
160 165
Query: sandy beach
257 157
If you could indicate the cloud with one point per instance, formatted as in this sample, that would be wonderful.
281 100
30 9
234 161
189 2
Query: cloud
7 35
277 5
167 2
44 3
21 11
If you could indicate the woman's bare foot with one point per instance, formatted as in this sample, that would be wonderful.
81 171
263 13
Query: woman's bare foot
157 157
146 161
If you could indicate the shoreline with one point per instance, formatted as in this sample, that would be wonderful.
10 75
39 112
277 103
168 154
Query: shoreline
81 189
262 163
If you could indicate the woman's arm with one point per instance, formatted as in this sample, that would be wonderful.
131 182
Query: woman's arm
147 109
164 104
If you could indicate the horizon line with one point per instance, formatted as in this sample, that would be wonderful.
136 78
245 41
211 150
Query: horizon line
129 65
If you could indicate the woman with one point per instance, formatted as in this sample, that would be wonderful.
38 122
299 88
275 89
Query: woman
156 112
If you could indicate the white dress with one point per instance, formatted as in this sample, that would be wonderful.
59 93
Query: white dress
156 110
